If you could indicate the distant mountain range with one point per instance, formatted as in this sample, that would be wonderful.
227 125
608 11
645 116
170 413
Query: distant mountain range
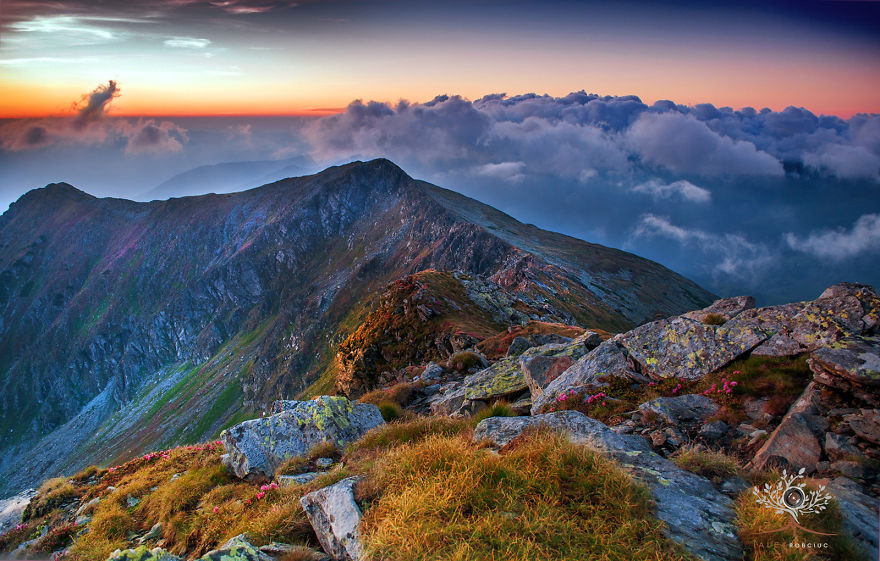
128 326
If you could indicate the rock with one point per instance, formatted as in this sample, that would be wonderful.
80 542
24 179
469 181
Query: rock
690 408
859 512
324 463
853 470
539 371
843 310
686 349
141 553
697 516
335 517
839 447
236 549
299 479
657 438
522 406
792 445
257 447
733 486
851 365
605 361
505 378
12 508
727 308
866 424
589 339
518 346
154 533
132 501
433 371
448 400
714 430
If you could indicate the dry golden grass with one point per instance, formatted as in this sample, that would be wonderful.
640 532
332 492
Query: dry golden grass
753 518
711 464
398 393
446 498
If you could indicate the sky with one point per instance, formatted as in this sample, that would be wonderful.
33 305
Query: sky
737 143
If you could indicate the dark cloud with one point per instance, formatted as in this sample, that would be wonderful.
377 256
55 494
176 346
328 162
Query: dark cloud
94 106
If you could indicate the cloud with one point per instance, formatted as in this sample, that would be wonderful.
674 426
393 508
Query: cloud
91 124
728 254
841 243
508 171
94 106
683 144
846 162
187 43
682 188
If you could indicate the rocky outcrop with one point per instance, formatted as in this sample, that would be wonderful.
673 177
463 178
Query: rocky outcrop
795 442
681 409
142 553
723 310
851 365
235 549
697 516
859 513
12 508
255 448
335 516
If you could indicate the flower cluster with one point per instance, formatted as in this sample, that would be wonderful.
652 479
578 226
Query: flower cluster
726 387
564 396
596 397
676 388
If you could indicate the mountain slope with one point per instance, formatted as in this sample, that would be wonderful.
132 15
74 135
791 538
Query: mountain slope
122 322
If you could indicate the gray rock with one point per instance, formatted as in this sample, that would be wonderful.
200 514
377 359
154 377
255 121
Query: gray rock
866 424
605 361
727 308
518 346
237 548
335 516
697 516
589 339
733 486
687 349
792 445
859 513
689 408
299 479
448 400
142 553
257 447
851 365
12 508
505 378
132 501
433 371
853 470
324 462
154 533
714 430
838 446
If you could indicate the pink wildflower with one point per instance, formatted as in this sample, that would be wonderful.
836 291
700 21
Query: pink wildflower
216 509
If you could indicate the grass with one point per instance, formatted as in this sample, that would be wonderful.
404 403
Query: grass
714 319
713 465
497 409
400 394
52 493
463 361
446 498
753 518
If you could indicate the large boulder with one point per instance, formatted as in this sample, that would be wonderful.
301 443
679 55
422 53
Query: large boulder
795 442
689 408
851 365
726 309
255 448
12 508
591 370
335 516
842 310
142 553
859 512
683 348
696 515
505 378
866 424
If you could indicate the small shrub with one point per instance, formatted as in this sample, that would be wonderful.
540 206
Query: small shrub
498 409
398 393
87 473
393 434
712 465
52 494
324 449
58 537
714 319
463 361
291 466
390 411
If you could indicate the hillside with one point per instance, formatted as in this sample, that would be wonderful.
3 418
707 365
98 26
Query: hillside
130 326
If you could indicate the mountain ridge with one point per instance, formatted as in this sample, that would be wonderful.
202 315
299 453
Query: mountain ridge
250 290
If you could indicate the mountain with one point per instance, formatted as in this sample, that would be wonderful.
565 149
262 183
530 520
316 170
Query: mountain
126 326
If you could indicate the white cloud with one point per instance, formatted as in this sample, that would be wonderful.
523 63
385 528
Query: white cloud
841 243
848 162
733 255
508 171
682 188
187 43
